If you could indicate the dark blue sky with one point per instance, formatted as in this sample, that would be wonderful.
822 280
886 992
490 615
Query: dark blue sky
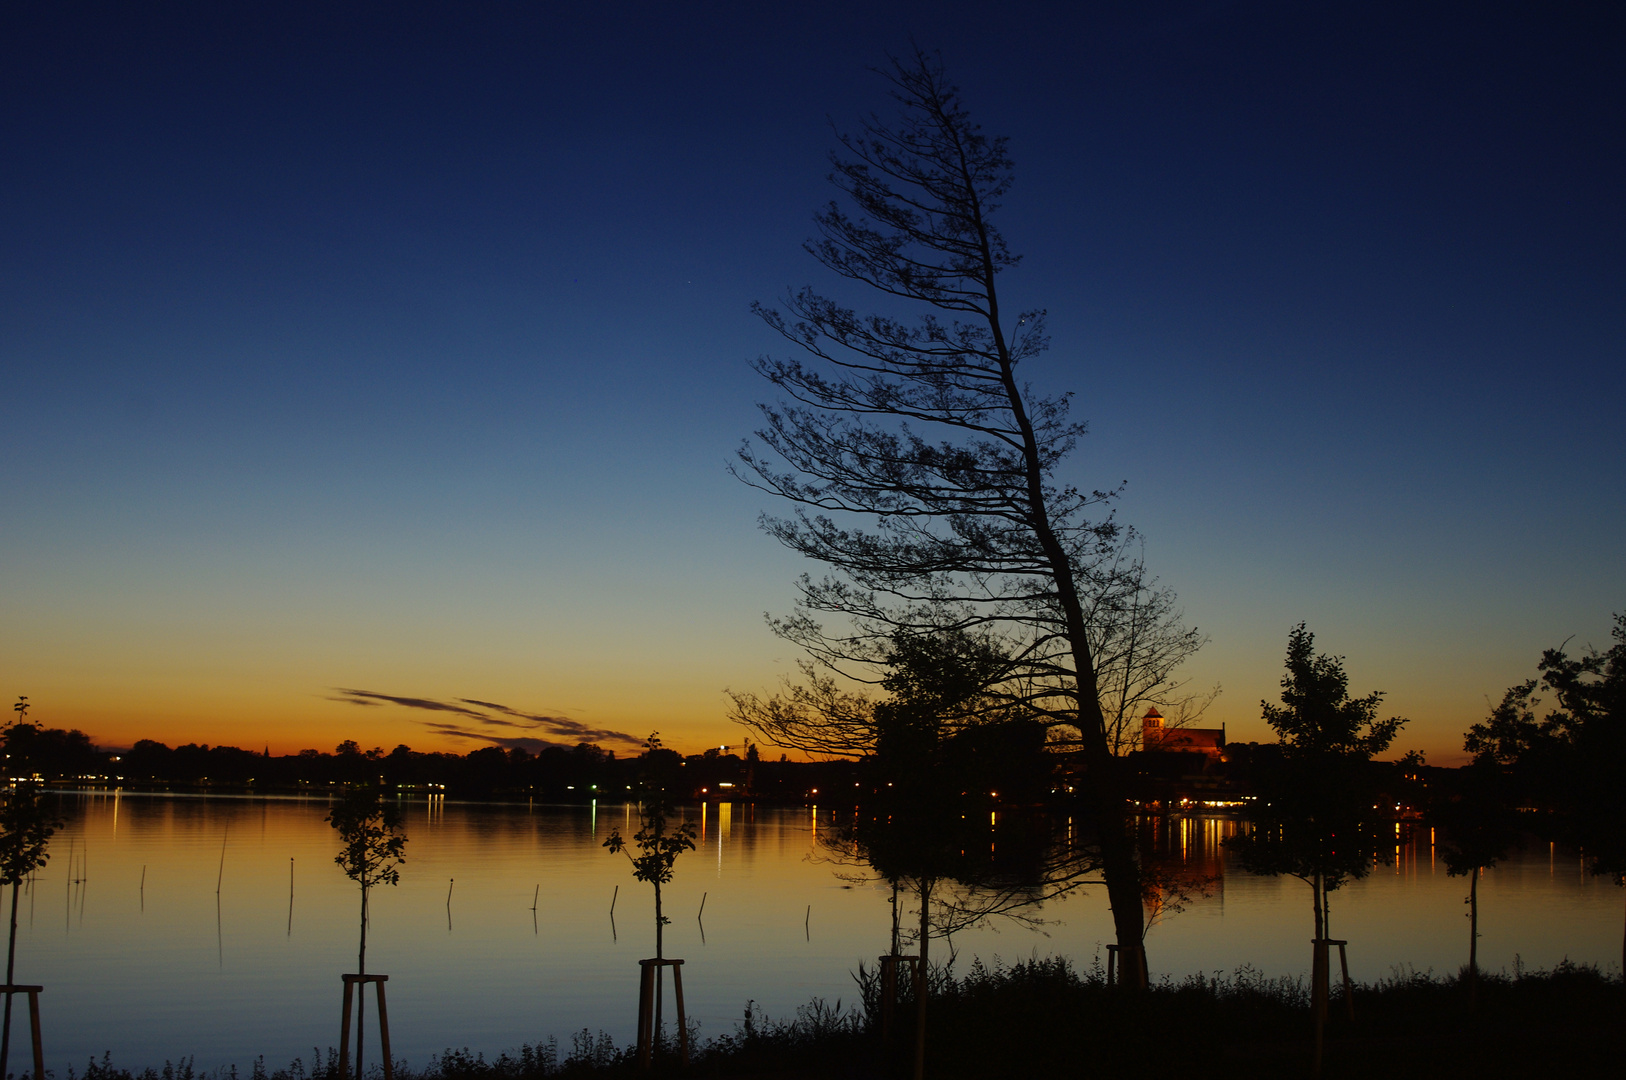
403 347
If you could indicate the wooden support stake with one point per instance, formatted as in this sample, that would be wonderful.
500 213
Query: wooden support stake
1349 987
33 993
889 988
646 1014
1129 954
683 1019
383 1031
344 1032
647 994
1318 1000
354 987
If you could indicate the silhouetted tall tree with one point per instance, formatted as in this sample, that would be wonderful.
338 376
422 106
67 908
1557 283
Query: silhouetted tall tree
920 425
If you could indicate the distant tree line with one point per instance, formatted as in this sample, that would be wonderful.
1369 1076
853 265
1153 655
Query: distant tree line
51 753
583 771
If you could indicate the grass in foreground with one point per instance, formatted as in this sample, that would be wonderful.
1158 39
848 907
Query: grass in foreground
1043 1018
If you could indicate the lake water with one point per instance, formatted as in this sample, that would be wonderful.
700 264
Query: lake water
141 957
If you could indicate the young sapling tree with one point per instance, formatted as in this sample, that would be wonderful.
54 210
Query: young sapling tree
371 843
1479 825
26 827
659 842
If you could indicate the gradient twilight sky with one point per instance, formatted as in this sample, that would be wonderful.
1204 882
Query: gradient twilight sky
401 348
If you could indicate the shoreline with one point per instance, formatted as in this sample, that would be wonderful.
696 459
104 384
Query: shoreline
1039 1017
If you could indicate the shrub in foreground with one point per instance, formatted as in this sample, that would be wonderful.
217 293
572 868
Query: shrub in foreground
1043 1017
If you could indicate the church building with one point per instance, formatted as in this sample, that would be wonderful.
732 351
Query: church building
1154 737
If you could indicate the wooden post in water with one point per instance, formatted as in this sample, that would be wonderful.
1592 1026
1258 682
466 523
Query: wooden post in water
353 988
648 992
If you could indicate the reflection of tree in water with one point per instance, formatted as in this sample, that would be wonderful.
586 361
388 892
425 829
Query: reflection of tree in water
942 759
1182 863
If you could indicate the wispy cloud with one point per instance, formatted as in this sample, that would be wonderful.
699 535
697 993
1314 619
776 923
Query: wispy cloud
478 717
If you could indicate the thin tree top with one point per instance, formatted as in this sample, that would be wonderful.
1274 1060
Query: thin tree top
1317 715
26 827
928 185
370 837
660 846
916 421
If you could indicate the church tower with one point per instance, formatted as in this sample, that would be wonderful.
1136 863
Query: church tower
1151 729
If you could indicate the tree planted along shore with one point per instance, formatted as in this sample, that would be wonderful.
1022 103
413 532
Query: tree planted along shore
662 836
371 852
1315 816
1570 762
26 828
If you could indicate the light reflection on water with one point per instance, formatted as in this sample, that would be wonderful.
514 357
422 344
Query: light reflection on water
142 957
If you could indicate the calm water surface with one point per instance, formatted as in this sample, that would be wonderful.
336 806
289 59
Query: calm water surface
140 956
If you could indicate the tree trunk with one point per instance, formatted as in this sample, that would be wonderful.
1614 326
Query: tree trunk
1320 962
659 970
1122 874
1315 904
922 979
1118 864
361 988
896 928
1473 938
361 953
11 961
